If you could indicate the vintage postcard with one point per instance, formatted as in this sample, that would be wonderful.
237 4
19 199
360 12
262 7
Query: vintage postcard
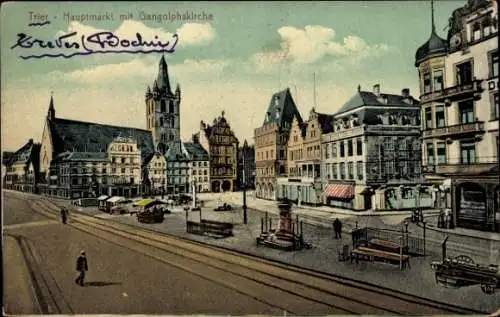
250 158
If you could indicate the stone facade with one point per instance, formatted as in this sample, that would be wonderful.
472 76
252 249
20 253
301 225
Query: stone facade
163 120
22 168
116 172
157 173
371 159
84 159
271 143
246 166
460 111
199 166
303 184
222 145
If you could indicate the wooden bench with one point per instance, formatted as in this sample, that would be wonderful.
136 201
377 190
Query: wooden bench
374 255
384 245
211 227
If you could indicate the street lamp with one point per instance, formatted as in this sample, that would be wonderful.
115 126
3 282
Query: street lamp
245 218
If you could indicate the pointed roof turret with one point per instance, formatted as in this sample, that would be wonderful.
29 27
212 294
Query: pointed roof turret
435 46
177 89
51 114
163 80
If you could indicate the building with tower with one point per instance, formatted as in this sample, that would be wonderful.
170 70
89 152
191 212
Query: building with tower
163 121
460 111
222 146
271 143
85 159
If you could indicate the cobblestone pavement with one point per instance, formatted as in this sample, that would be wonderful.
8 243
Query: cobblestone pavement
419 280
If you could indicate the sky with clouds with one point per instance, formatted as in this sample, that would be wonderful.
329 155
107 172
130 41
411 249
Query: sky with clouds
233 62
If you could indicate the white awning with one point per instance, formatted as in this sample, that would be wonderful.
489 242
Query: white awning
115 199
103 197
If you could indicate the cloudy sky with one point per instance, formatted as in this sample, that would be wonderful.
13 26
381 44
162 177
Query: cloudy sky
233 62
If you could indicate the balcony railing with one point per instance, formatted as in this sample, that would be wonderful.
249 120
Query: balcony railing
455 130
453 93
458 169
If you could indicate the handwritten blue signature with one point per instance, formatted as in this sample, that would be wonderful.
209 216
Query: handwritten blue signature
106 43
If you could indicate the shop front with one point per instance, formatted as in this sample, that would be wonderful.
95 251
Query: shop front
299 192
340 195
475 203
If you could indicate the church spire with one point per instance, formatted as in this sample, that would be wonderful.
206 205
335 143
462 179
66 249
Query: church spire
51 114
163 80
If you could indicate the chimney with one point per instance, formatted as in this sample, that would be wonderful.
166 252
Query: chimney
405 92
202 125
376 90
30 141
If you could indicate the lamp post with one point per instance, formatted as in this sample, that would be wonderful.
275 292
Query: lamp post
245 218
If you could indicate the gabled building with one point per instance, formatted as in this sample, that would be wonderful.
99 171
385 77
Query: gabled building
303 182
163 121
222 146
90 143
22 168
271 143
371 159
199 166
156 173
460 110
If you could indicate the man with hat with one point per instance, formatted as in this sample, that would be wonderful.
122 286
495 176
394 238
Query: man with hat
81 267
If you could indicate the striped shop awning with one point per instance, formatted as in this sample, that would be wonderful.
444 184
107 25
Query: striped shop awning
342 191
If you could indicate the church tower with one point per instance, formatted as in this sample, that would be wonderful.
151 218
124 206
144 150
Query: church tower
162 112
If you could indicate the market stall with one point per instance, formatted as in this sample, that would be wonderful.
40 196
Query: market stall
101 200
150 210
113 201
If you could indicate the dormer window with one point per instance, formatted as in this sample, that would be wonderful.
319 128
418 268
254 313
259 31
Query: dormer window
486 24
476 31
277 113
277 101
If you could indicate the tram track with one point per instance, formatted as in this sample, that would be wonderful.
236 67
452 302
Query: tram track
260 278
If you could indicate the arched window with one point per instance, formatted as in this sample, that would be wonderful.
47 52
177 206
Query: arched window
163 107
161 122
171 107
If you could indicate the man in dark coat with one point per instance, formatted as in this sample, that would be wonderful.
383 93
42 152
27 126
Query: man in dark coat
337 227
81 267
64 215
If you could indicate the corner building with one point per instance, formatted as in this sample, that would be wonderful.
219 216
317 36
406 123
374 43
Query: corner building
459 107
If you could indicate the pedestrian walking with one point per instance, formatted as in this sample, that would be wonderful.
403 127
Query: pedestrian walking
81 267
337 227
64 215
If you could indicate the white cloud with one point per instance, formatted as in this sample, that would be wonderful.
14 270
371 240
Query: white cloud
196 33
312 44
139 69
